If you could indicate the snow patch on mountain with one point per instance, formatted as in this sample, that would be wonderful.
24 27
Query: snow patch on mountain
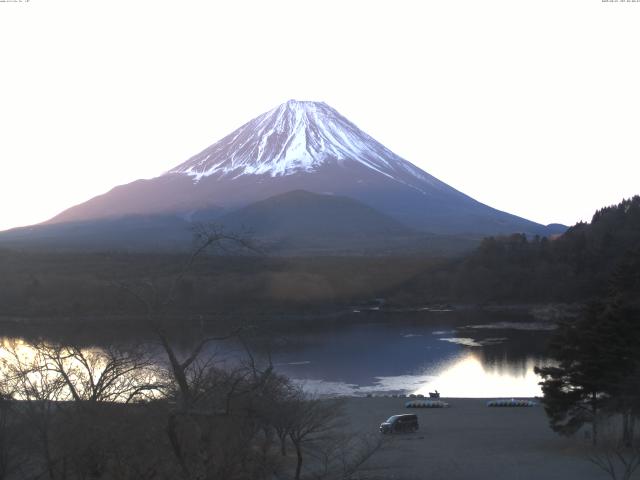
298 137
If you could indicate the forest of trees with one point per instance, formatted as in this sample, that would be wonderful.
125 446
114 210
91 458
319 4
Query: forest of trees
85 287
596 380
574 267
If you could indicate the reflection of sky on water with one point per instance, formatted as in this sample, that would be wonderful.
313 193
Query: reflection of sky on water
459 362
468 376
463 376
473 355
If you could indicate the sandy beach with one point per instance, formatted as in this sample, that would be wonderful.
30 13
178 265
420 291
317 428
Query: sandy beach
471 441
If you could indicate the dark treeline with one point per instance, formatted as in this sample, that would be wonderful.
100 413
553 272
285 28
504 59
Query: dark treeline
575 266
86 285
596 379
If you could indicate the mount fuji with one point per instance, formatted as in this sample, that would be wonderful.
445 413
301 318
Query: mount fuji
297 146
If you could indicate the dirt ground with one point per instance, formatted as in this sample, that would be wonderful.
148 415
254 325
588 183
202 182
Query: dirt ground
471 441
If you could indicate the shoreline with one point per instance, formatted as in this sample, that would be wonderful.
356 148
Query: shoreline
543 311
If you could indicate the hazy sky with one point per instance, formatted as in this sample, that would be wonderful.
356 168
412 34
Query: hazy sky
532 107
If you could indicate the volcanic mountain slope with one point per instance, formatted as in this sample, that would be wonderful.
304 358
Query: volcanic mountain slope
293 223
304 222
130 233
299 214
301 146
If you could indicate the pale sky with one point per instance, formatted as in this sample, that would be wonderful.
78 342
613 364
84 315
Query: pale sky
531 106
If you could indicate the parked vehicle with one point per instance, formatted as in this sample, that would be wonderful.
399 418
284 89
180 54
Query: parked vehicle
400 423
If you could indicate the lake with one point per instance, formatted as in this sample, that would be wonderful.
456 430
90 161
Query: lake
459 353
465 354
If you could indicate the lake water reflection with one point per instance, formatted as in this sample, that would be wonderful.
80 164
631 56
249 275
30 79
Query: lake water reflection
458 356
461 354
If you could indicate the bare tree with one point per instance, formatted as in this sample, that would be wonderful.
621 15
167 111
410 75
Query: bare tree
207 238
616 460
617 457
12 458
5 438
317 429
156 302
60 389
203 391
107 374
39 394
310 420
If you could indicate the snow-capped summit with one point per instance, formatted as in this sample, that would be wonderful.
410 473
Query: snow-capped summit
307 146
297 136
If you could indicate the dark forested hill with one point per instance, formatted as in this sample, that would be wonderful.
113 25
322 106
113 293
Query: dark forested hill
572 267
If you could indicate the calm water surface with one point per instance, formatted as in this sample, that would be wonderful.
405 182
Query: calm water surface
461 354
479 355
